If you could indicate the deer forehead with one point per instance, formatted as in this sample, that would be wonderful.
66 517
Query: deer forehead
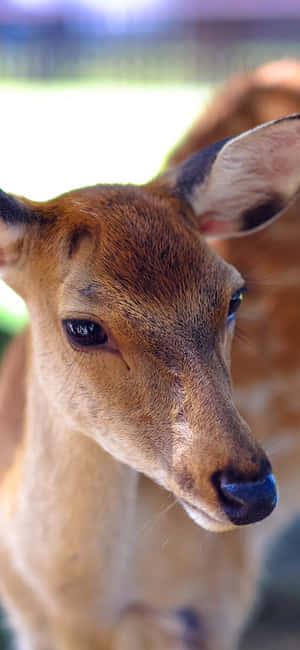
120 251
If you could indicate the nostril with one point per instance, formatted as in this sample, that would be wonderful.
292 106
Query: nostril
246 502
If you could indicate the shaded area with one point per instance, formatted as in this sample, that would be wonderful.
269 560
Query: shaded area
276 622
5 337
5 635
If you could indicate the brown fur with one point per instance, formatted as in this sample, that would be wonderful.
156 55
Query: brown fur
266 361
87 561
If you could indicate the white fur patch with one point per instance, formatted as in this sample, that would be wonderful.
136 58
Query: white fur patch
9 236
204 520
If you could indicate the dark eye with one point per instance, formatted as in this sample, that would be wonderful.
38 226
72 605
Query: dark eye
235 302
84 332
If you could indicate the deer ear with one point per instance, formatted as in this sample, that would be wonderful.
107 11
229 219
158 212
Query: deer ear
15 216
240 184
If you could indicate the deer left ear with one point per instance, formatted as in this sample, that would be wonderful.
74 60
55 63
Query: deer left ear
15 216
240 184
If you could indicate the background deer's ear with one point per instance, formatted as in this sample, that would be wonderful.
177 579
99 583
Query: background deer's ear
15 216
240 184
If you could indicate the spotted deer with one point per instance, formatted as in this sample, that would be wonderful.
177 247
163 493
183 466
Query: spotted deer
123 377
266 360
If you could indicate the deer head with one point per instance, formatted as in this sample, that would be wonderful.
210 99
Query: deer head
132 315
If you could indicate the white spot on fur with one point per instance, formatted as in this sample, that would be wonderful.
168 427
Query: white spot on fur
183 430
206 521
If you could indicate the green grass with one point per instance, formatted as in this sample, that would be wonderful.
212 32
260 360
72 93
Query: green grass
58 136
13 313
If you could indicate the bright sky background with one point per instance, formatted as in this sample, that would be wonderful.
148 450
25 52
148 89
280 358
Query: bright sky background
179 8
57 137
101 5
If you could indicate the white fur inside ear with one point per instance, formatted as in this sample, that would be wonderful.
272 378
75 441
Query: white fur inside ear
10 239
249 171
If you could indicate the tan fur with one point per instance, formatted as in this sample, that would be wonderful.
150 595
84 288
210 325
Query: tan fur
87 559
68 507
266 364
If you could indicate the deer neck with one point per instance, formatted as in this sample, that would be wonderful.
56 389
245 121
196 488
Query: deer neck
73 505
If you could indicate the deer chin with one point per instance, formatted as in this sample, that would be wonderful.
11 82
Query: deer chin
205 520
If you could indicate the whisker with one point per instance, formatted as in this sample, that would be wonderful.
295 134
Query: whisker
241 335
149 525
281 445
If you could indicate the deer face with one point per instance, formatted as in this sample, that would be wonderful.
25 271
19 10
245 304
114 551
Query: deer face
132 316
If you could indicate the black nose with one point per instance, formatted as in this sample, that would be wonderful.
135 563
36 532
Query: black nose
246 501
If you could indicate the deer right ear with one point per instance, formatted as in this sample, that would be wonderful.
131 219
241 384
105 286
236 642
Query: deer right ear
15 215
242 183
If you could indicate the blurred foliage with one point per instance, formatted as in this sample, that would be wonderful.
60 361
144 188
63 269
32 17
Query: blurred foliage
4 340
5 633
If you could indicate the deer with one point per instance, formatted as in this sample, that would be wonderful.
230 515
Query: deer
120 437
266 360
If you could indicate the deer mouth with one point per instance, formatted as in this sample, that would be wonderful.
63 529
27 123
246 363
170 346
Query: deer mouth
204 519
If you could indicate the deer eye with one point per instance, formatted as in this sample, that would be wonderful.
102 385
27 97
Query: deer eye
84 332
235 302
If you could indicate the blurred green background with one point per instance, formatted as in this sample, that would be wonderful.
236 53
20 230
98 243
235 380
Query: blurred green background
89 97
